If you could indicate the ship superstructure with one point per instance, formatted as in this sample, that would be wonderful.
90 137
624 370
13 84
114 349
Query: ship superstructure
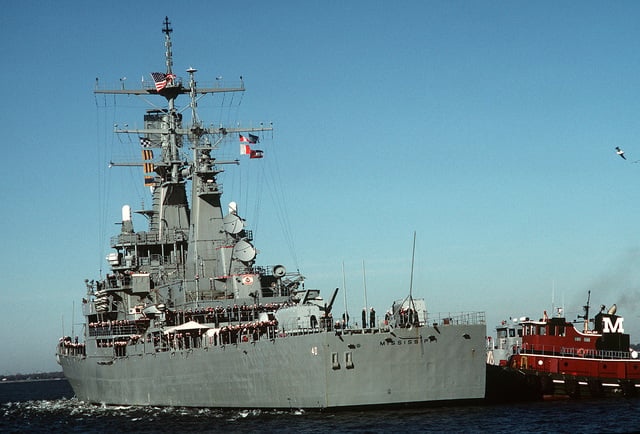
186 317
556 357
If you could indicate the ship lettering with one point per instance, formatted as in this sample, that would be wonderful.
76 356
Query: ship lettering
612 328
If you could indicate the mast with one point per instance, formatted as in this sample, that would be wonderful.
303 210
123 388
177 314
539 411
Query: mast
167 43
190 249
586 312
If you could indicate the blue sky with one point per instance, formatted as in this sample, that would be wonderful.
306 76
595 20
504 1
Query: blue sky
487 127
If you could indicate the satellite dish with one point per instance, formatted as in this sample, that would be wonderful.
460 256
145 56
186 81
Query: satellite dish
244 251
232 223
233 207
612 310
279 271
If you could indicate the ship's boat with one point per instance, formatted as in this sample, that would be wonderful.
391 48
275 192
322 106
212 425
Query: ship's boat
185 316
552 357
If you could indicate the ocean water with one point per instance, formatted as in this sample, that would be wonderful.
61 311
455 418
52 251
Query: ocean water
49 406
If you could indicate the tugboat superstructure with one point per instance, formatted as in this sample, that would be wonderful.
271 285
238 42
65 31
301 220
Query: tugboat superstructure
557 358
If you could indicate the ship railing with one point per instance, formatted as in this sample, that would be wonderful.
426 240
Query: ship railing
122 330
459 318
168 237
150 85
301 331
574 352
294 327
223 317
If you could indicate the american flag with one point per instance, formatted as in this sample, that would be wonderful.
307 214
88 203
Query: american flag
160 79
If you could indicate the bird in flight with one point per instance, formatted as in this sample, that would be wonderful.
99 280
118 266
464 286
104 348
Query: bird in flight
620 152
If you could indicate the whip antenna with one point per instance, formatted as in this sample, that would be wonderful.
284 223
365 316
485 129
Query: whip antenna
413 256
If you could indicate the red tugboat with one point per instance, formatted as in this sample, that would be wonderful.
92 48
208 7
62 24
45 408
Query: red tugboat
559 360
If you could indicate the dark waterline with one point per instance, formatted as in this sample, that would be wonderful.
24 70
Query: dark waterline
46 406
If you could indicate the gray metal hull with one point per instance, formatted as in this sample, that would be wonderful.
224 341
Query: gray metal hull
315 370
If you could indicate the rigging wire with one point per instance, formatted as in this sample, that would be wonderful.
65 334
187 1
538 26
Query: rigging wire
112 146
101 175
274 180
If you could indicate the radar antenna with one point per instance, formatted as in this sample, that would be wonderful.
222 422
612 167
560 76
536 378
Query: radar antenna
166 29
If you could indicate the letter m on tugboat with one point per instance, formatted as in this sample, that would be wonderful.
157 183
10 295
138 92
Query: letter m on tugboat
616 327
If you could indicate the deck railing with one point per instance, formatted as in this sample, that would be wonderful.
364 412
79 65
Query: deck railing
458 318
574 352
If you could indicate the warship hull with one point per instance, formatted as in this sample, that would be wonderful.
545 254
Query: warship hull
314 370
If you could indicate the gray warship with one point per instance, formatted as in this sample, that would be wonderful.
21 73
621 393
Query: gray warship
185 316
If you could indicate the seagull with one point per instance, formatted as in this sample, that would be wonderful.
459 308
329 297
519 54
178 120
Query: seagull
620 152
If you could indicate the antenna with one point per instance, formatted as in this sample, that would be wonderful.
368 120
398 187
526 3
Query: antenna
364 281
586 312
346 309
413 256
166 29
